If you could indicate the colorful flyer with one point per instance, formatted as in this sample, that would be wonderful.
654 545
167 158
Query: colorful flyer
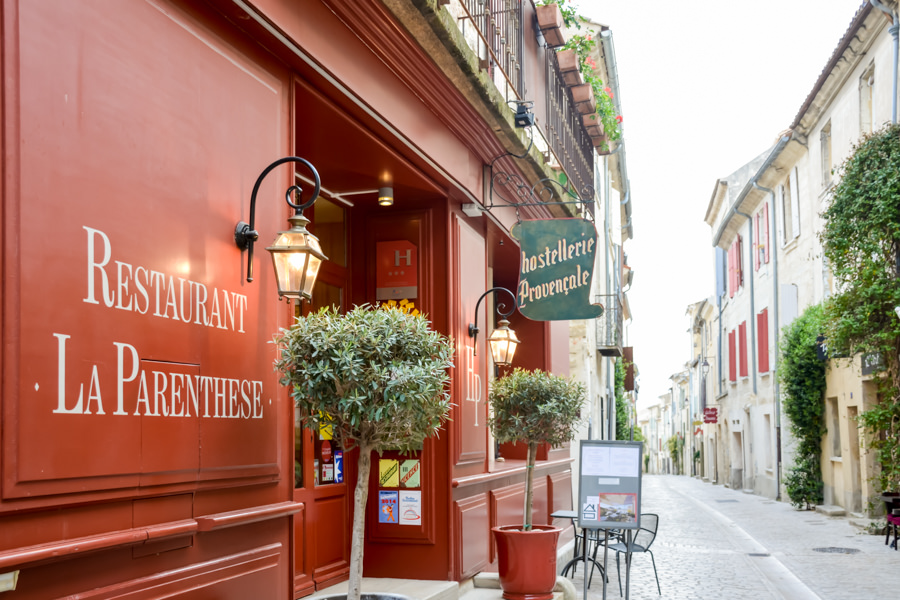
411 508
409 473
327 473
387 507
338 466
388 473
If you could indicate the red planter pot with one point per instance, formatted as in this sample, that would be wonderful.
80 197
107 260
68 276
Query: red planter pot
527 561
550 22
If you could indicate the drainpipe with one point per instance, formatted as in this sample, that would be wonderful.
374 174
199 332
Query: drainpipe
893 29
752 300
775 328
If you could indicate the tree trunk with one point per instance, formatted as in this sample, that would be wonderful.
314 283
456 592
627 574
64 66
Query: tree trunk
357 536
529 484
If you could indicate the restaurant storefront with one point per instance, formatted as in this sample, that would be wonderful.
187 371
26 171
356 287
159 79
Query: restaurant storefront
146 441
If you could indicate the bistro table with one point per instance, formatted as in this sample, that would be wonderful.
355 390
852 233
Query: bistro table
584 539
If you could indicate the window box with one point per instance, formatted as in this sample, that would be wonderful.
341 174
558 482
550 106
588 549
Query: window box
568 67
550 21
593 125
583 97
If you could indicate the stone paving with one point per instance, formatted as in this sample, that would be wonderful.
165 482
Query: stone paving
717 543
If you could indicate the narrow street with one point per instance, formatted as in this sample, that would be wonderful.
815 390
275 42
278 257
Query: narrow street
714 542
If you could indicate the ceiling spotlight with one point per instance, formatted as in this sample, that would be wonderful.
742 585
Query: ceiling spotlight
385 196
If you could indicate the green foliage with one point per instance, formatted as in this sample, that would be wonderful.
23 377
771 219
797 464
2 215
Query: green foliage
861 241
623 408
378 377
675 445
804 483
534 406
802 376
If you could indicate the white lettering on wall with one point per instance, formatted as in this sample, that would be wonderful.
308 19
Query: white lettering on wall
159 393
139 289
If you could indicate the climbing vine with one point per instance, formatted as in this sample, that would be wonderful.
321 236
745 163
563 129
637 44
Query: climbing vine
861 241
802 375
623 410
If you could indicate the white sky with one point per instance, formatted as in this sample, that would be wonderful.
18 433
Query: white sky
705 85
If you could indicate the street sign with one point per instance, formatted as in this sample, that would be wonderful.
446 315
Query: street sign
711 415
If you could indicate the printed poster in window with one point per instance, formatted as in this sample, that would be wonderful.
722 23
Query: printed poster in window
411 507
409 473
388 473
388 508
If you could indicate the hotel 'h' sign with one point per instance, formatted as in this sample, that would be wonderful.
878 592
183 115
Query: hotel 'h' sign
556 268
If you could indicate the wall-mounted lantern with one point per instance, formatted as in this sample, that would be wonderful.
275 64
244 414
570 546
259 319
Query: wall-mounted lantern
296 253
503 340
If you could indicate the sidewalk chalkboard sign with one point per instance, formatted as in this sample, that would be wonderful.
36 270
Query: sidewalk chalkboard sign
609 484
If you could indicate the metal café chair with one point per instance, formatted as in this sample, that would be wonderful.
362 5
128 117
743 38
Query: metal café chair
641 542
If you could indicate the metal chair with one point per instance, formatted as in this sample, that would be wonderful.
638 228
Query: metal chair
642 541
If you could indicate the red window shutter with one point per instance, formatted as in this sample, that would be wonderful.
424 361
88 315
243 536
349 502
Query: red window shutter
765 237
739 262
732 358
756 242
762 336
742 341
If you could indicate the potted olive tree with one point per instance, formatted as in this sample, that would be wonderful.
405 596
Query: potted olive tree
378 377
532 407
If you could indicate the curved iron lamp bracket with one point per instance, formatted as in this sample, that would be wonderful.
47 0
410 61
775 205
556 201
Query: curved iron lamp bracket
245 235
473 327
539 194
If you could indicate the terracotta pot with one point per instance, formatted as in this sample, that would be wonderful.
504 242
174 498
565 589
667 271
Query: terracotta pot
550 21
593 125
583 97
527 561
568 67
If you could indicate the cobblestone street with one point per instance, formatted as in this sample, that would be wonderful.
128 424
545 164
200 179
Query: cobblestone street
715 543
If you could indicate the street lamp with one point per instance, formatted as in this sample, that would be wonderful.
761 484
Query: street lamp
296 253
503 340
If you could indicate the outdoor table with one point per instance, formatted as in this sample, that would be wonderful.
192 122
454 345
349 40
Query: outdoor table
583 537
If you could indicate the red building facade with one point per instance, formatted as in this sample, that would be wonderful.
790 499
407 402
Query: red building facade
148 449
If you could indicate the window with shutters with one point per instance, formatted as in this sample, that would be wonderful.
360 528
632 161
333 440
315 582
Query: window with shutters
788 199
825 150
866 83
761 237
762 335
742 349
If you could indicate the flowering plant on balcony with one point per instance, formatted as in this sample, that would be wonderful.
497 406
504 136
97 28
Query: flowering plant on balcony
606 109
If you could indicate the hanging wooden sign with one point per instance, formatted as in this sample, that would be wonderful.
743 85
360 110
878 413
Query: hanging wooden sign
556 268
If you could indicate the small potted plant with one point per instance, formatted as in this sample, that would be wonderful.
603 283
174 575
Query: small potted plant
534 408
378 378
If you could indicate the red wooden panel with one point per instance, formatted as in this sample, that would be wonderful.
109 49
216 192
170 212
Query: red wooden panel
331 552
470 413
762 336
473 534
139 163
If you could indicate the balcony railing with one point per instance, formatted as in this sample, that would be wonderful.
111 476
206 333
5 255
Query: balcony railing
494 30
609 325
